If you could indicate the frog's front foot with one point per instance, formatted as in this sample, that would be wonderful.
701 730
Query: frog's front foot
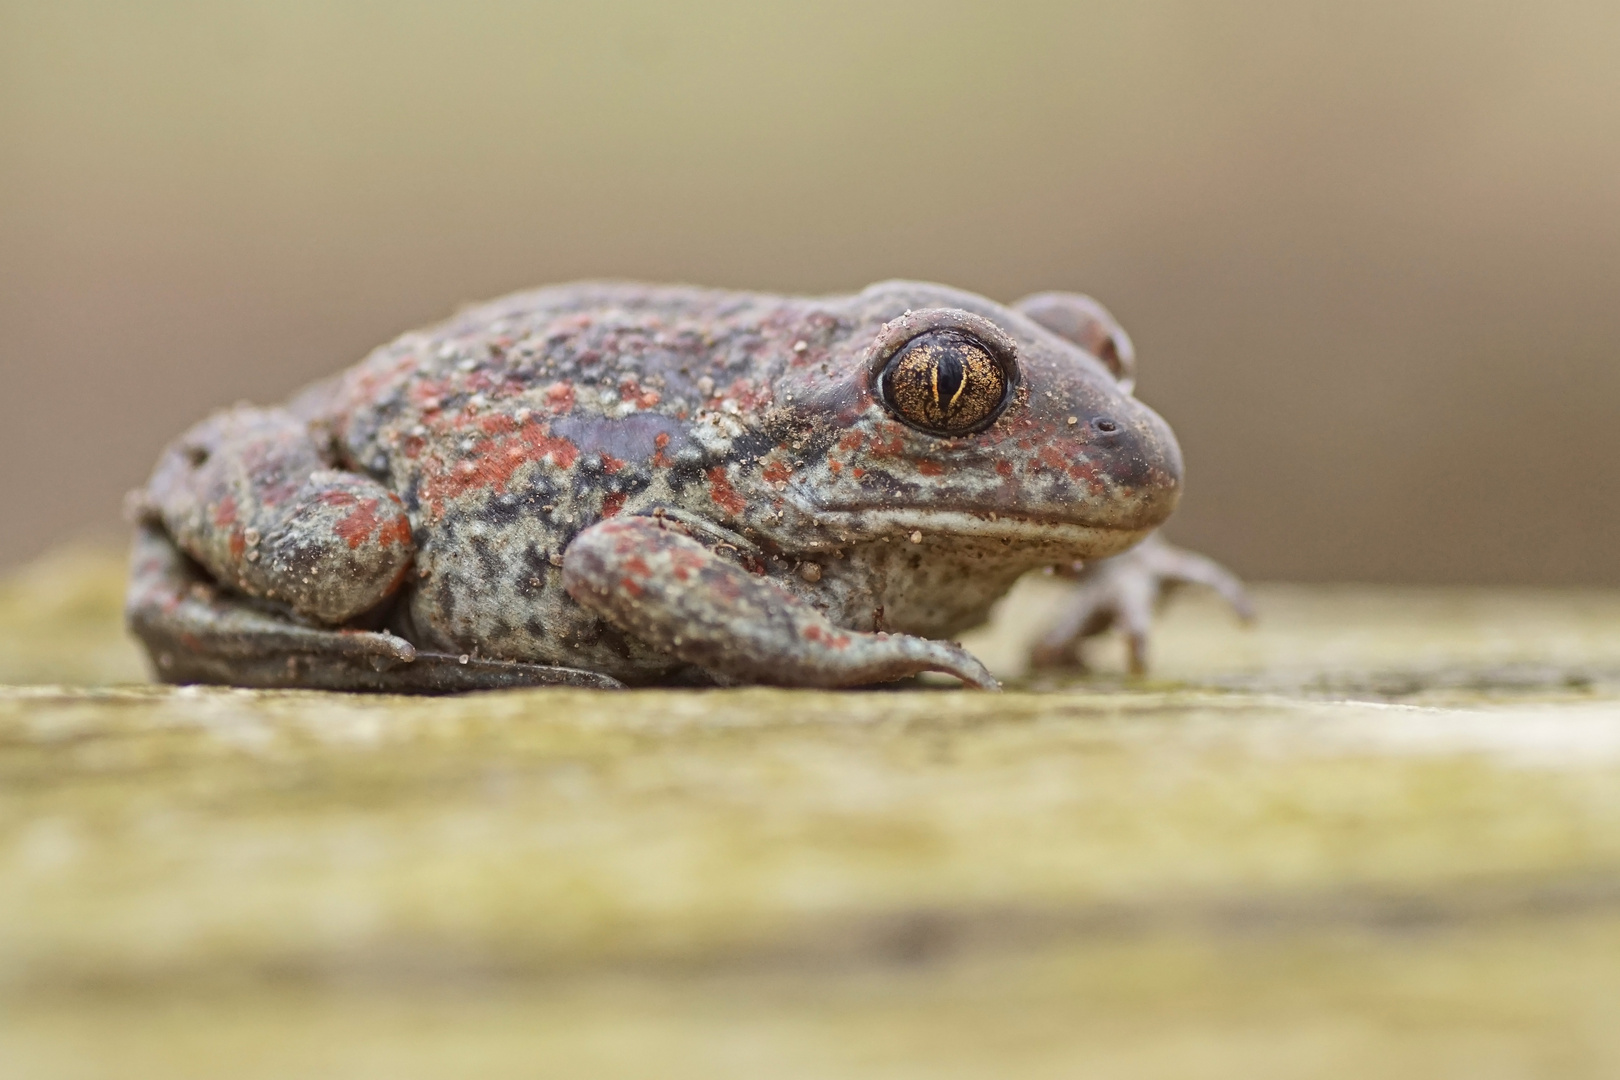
1123 591
649 578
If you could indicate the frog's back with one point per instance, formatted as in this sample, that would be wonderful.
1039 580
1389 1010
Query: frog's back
516 424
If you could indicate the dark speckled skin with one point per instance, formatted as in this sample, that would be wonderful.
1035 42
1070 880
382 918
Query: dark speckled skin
741 430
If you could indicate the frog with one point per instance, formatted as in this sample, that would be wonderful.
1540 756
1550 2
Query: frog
615 484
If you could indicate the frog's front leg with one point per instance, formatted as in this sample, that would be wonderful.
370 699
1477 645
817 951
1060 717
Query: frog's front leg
649 578
1124 590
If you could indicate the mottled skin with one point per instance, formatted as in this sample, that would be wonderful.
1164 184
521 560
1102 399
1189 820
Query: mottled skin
615 483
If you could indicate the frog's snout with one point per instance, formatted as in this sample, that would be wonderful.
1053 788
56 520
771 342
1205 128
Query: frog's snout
1142 461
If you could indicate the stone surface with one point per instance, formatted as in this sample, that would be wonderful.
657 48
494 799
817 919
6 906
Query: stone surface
1378 834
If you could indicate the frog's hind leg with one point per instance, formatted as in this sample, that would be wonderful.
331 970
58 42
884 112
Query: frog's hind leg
196 633
251 496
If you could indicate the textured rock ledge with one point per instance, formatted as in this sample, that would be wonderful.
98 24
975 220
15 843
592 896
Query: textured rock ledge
1379 835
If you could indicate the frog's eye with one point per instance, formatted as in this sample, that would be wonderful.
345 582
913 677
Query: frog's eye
943 370
946 382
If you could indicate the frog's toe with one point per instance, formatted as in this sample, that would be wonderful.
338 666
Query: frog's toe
1176 566
951 659
1123 592
1098 604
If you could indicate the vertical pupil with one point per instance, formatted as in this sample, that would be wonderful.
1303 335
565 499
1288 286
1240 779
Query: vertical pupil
944 383
951 375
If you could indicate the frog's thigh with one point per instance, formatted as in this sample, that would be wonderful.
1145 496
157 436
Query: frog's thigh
247 494
196 634
676 595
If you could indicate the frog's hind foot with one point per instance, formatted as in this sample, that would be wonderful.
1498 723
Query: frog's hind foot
196 633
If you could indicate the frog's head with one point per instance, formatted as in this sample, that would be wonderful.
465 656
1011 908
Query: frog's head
944 414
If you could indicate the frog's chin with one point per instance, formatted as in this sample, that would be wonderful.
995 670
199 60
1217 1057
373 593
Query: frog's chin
1055 537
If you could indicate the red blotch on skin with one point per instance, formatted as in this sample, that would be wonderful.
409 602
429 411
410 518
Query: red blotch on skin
395 531
930 468
611 464
1005 469
851 442
857 472
724 495
1052 458
893 448
225 512
685 563
835 465
777 471
563 453
238 543
1085 469
659 458
612 503
832 641
631 391
560 397
359 523
428 394
493 461
748 396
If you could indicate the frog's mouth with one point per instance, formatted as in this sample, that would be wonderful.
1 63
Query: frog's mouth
1070 536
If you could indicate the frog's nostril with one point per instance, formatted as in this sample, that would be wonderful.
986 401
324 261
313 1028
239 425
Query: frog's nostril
1105 424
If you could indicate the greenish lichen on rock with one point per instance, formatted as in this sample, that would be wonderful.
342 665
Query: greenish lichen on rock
1382 830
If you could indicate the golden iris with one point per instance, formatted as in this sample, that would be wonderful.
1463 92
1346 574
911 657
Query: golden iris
944 382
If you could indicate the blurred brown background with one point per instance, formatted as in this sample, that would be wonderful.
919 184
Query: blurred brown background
1368 250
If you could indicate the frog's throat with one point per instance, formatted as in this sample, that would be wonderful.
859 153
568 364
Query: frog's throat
1083 540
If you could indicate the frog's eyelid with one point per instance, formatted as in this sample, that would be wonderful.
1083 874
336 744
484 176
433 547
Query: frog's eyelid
896 333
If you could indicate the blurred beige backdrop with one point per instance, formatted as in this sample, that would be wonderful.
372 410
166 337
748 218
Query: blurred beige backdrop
1368 250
